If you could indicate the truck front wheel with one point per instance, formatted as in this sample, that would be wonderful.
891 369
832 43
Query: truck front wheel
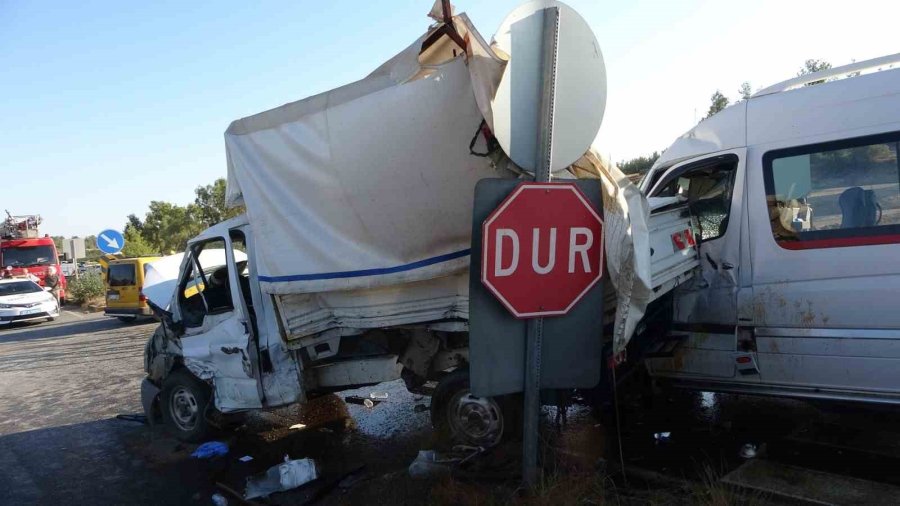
184 400
462 418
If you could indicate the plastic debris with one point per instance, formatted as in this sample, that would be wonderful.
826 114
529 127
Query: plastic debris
355 399
378 395
748 451
219 500
662 437
246 458
298 426
429 463
210 449
285 476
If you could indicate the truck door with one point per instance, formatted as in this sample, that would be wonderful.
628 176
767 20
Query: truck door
706 311
217 343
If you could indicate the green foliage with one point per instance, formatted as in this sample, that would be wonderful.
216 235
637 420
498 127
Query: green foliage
746 91
86 287
639 165
91 252
718 101
167 227
135 245
210 203
811 67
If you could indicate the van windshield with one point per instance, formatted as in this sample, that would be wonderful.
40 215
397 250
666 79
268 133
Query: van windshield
27 256
121 275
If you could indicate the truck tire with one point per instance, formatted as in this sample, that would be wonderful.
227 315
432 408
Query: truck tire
459 417
184 401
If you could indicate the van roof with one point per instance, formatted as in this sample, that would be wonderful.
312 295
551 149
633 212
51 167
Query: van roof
774 113
133 260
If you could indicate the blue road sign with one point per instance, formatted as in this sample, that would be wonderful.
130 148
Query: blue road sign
110 241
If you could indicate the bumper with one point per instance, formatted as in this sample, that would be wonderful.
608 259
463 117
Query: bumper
127 311
8 316
149 396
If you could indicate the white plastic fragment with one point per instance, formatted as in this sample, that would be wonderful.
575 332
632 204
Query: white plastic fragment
285 476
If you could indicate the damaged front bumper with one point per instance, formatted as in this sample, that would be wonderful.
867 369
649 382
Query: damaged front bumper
149 400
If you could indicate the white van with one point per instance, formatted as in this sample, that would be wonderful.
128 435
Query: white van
797 192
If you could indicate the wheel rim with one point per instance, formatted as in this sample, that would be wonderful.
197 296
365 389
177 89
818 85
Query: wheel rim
184 408
475 420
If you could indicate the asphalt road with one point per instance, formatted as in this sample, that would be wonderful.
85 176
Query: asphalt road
63 383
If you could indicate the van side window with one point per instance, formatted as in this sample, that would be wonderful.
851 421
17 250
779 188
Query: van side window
707 187
838 194
205 289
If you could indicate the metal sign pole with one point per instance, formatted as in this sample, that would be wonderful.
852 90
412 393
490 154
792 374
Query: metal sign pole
534 334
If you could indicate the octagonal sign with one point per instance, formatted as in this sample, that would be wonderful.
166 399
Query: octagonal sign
542 249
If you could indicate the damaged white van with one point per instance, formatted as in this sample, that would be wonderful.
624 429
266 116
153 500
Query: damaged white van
797 193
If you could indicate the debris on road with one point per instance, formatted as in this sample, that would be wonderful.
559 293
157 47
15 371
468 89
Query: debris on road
285 476
298 426
219 500
429 463
749 451
133 417
246 458
378 395
210 449
355 399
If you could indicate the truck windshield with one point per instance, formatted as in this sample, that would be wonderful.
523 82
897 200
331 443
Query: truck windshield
26 256
17 287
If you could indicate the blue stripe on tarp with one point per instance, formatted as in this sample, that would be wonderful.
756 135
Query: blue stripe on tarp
367 272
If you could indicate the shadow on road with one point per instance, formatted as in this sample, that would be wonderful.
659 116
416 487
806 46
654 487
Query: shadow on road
101 462
28 331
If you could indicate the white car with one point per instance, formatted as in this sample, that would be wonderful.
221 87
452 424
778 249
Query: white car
24 300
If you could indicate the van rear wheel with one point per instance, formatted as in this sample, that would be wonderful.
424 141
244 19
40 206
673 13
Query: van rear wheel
184 401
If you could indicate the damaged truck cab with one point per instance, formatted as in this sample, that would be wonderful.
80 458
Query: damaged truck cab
221 345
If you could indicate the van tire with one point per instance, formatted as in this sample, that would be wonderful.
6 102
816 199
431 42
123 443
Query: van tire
184 401
127 319
498 419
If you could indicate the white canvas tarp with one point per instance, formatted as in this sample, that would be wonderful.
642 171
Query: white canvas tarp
360 198
364 186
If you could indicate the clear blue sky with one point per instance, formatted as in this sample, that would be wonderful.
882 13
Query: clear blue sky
108 105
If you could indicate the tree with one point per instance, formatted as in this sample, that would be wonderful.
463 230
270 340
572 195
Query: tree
58 241
91 251
210 203
745 90
638 165
811 67
718 101
135 245
167 227
135 223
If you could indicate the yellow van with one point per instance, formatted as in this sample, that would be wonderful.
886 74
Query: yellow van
124 280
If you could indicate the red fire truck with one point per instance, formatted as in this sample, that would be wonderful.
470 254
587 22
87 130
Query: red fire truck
24 251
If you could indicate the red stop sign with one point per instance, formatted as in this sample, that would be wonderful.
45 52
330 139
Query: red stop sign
542 249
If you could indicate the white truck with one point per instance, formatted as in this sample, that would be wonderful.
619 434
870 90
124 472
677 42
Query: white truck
797 192
350 266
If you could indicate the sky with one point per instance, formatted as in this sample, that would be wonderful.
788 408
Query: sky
106 106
